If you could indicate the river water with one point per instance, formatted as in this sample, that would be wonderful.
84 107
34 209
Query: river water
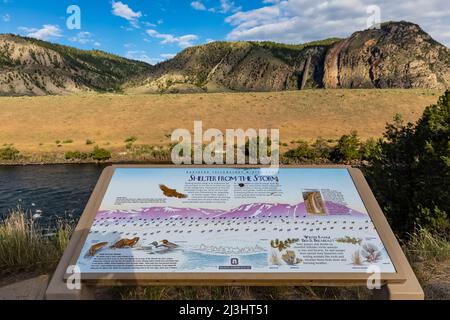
48 192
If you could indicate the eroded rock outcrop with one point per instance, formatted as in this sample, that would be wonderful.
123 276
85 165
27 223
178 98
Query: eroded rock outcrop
399 55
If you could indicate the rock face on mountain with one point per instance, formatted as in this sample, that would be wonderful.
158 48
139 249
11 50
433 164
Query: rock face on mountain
33 67
399 55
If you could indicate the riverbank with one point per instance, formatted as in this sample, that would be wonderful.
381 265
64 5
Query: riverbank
348 149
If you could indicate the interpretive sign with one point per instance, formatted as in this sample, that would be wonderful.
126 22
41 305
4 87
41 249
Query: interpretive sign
218 223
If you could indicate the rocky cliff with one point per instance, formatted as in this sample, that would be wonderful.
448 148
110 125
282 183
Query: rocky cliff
399 55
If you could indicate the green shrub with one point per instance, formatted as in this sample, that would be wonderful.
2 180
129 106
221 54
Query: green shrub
9 153
347 148
411 176
322 148
302 152
129 145
131 139
371 149
89 142
68 141
76 155
100 154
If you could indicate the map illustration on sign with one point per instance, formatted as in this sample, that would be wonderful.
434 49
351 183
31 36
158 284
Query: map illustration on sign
232 220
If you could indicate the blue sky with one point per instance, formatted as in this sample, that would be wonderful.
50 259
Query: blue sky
155 30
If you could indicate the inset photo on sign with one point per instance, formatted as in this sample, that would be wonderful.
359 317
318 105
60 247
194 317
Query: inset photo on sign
314 203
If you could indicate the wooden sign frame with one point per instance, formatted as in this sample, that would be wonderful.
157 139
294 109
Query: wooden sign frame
401 278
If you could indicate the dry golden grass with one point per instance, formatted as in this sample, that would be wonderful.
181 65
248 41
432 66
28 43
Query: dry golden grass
24 247
33 124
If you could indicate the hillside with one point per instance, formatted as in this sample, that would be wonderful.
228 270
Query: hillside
33 67
399 55
239 66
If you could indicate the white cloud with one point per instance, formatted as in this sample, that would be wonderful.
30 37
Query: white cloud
148 24
142 55
122 10
48 31
182 41
225 6
85 37
306 20
228 6
6 18
168 55
197 5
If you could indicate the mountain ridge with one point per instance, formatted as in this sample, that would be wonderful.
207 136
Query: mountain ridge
30 66
398 55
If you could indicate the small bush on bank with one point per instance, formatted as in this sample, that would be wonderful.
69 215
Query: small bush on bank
76 155
9 153
322 148
98 154
101 154
302 152
131 139
89 142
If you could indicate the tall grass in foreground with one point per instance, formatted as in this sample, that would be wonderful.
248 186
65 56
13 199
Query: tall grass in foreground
429 255
25 248
241 293
426 246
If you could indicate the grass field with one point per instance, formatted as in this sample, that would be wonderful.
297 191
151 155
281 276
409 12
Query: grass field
59 123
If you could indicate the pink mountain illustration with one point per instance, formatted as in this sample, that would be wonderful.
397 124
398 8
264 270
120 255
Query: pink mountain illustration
261 210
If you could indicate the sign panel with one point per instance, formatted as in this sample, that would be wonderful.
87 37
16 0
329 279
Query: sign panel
232 220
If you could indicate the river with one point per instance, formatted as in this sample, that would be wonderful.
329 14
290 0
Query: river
48 192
